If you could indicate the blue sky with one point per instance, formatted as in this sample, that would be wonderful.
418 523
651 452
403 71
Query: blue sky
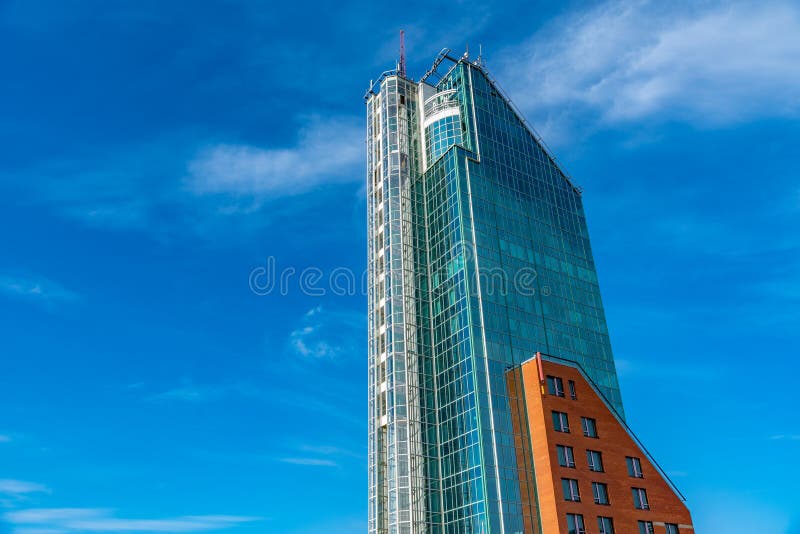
155 154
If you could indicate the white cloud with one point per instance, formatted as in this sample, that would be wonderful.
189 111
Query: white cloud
73 520
319 456
191 392
178 183
329 450
325 334
35 288
21 487
35 530
788 437
328 151
705 63
316 462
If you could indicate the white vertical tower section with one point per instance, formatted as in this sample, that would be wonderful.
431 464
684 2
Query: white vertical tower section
435 108
396 463
425 93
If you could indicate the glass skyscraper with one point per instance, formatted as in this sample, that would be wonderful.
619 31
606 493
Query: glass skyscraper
479 257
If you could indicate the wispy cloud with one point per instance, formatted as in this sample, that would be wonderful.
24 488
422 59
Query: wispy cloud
786 437
17 488
35 289
329 450
318 456
180 183
316 462
71 520
189 391
328 151
326 333
705 63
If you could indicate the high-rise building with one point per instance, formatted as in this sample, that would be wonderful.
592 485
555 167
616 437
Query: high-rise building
479 258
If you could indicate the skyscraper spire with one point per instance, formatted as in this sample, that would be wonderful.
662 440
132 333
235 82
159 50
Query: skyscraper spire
402 65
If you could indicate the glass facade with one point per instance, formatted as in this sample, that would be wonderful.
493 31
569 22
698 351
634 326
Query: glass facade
479 257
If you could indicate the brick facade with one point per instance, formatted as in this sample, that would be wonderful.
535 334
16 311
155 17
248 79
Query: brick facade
614 442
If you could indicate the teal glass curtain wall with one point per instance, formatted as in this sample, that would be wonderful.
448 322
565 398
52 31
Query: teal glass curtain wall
479 258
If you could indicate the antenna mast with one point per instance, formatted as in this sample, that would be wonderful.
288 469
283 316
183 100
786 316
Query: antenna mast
402 66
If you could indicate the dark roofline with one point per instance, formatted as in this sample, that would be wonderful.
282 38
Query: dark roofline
481 67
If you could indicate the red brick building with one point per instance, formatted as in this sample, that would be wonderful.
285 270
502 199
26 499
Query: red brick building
592 474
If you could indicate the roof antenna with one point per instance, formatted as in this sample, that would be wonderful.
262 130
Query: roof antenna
402 66
479 61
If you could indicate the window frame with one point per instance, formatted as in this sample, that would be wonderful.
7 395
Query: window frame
573 393
634 463
585 421
597 500
555 386
578 524
568 454
574 489
646 527
601 526
591 455
640 500
563 422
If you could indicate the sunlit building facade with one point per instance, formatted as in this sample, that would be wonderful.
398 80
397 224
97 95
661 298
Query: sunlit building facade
479 257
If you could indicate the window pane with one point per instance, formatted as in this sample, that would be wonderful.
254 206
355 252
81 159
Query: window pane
605 525
560 422
589 427
594 460
634 466
555 386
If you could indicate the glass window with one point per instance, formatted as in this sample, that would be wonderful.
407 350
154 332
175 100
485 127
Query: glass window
646 527
595 460
634 466
555 386
605 525
566 457
572 393
571 490
600 493
672 528
560 422
575 524
589 427
640 498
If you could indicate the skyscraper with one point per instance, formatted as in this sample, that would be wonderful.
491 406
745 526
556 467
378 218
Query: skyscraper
479 258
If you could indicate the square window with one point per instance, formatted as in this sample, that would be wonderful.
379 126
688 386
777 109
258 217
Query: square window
595 460
646 527
600 493
560 421
605 525
555 386
589 427
672 528
640 499
566 456
575 524
571 490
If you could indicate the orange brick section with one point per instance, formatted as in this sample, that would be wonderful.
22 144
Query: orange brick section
613 442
